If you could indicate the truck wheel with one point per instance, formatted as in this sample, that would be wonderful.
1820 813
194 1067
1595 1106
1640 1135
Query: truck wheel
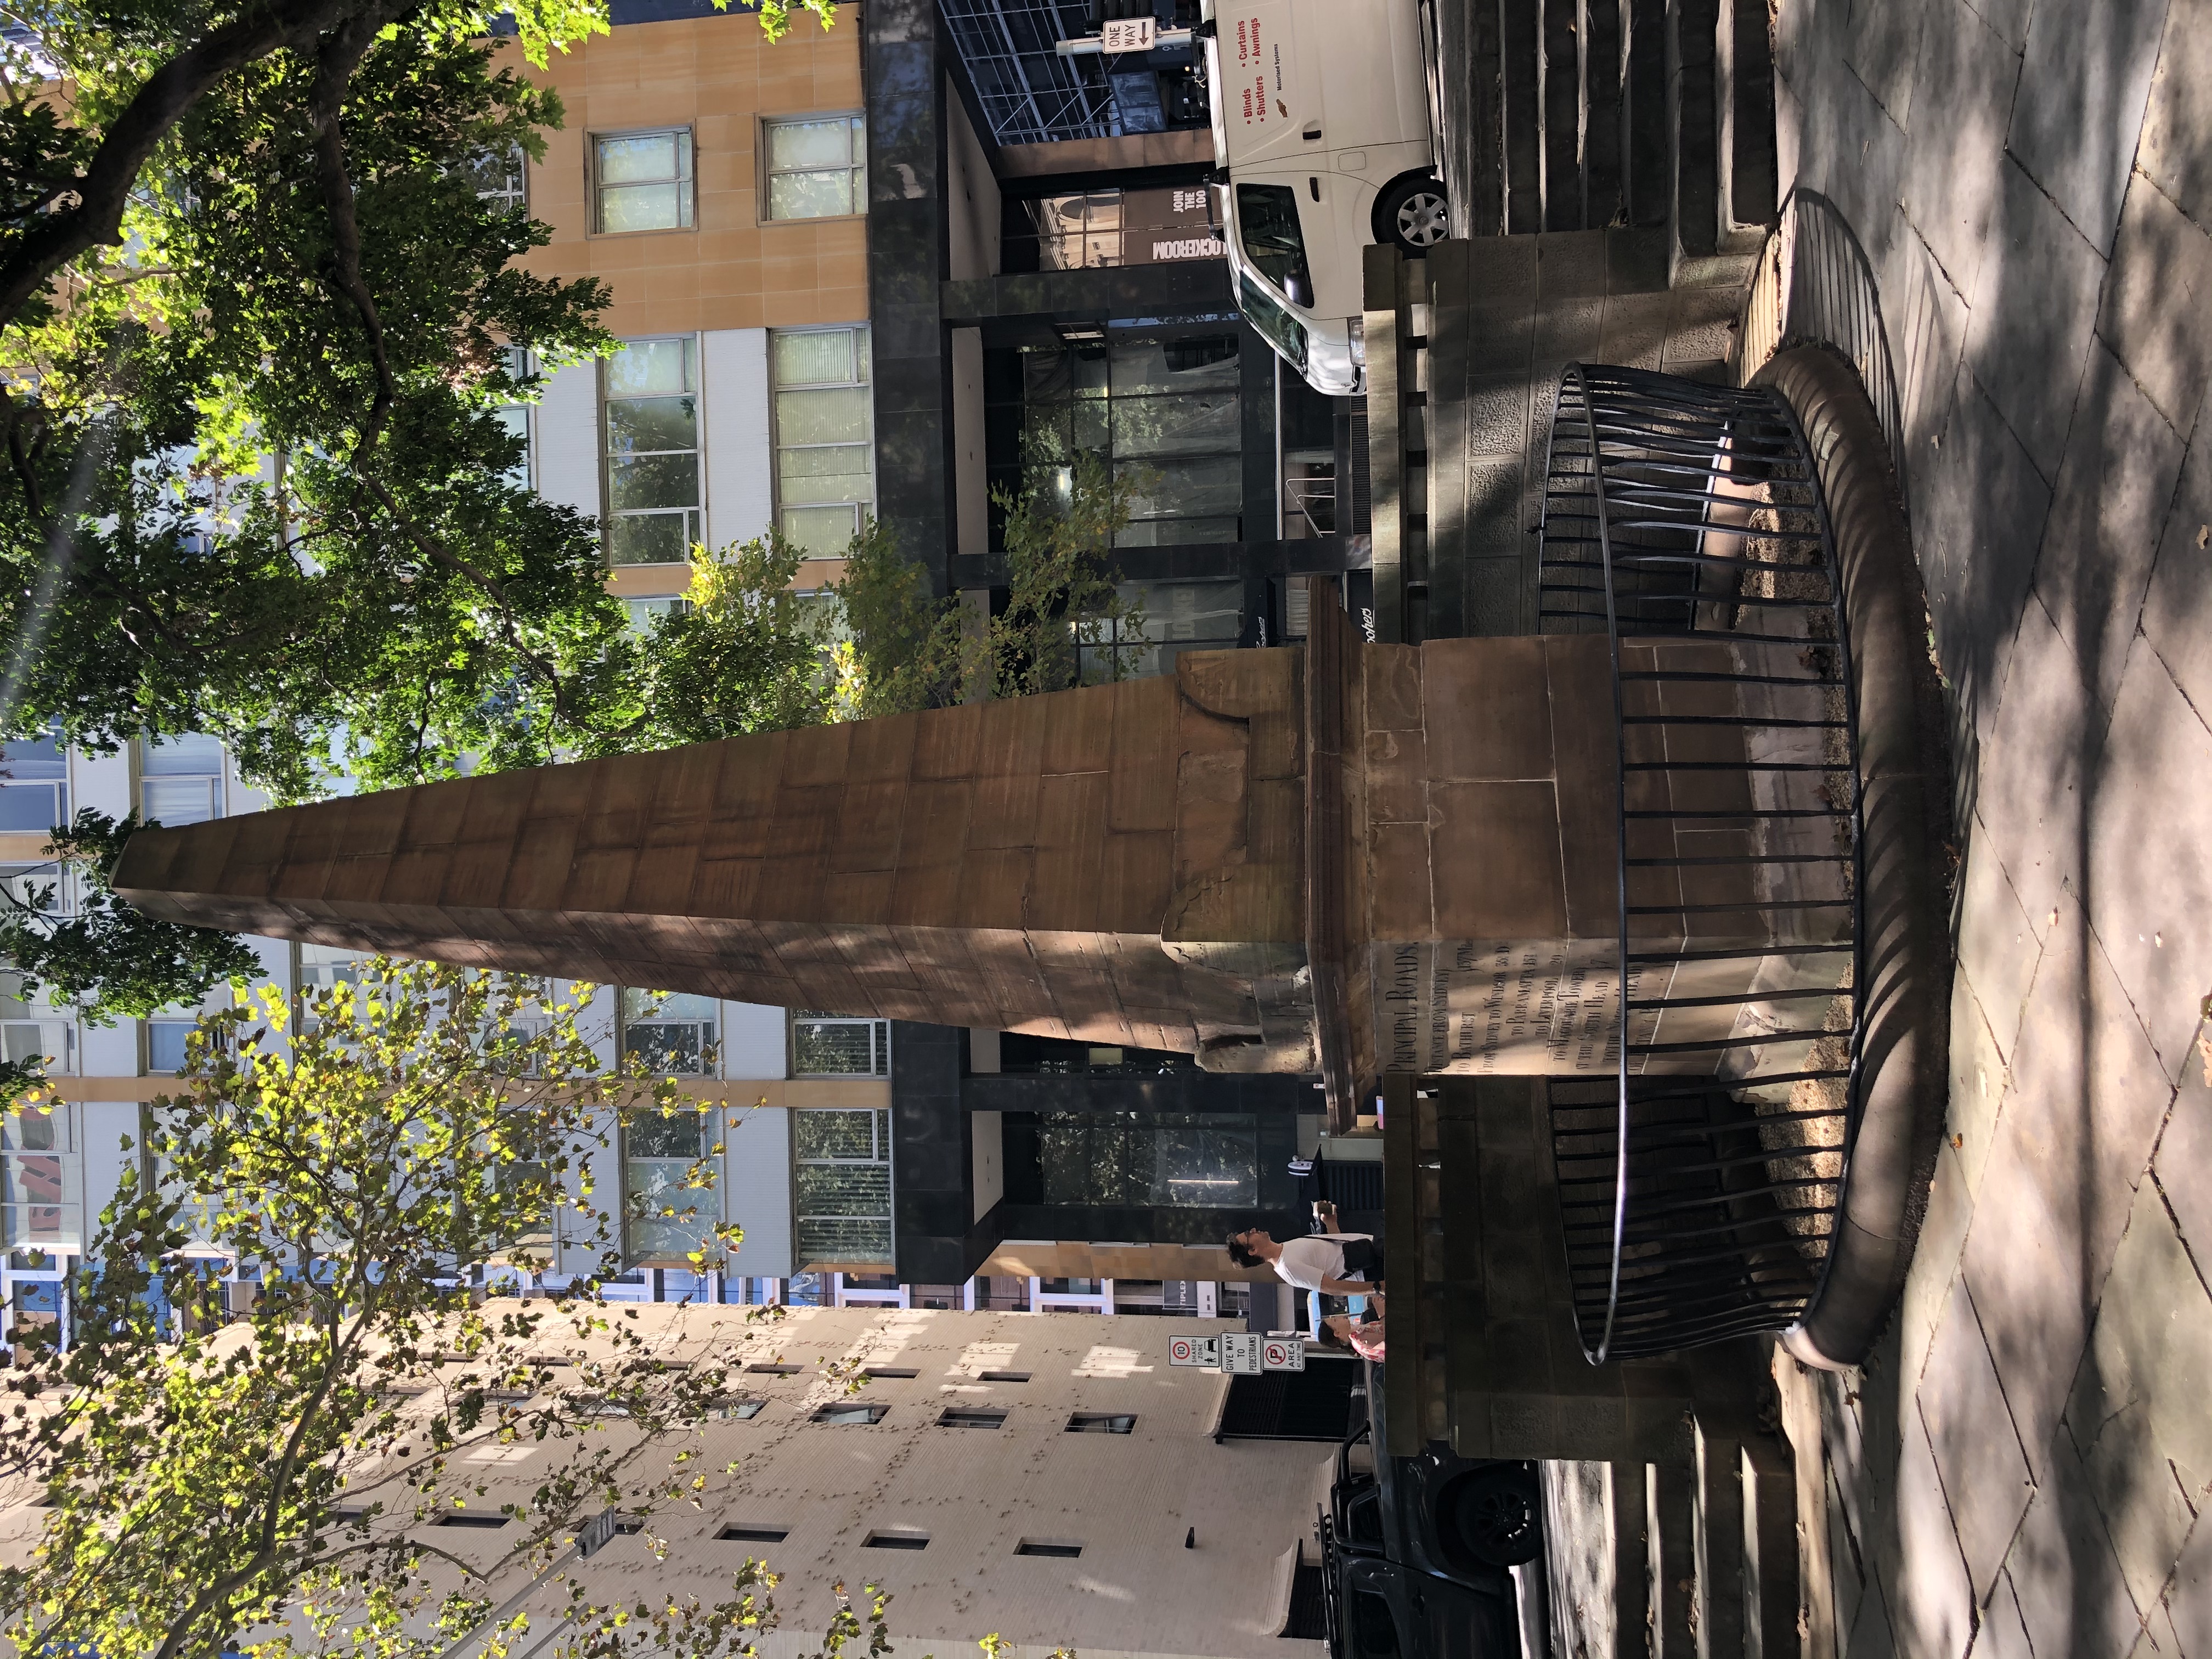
1410 212
1493 1516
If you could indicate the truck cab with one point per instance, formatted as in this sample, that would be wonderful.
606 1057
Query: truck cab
1323 143
1417 1549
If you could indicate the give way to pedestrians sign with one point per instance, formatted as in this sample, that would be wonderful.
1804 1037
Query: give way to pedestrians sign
1239 1352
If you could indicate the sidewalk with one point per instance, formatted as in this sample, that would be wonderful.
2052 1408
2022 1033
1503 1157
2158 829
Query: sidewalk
2021 1468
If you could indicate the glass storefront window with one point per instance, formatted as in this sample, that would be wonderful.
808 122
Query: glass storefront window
1178 617
1165 414
1170 1160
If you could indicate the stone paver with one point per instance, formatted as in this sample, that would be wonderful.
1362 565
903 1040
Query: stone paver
2024 1463
2001 1635
1962 1405
2188 1605
2035 306
2177 617
2137 1413
2066 1580
2151 843
2106 511
2082 86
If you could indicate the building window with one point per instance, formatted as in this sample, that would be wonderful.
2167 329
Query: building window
654 507
818 166
325 966
843 1414
166 1046
180 779
39 1203
660 1154
34 1032
1164 414
34 784
825 480
1162 1160
1102 1423
644 613
40 888
1178 617
643 180
965 1417
830 1045
1023 1055
670 1036
501 178
515 418
841 1182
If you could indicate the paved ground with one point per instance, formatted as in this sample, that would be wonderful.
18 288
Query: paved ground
2023 1469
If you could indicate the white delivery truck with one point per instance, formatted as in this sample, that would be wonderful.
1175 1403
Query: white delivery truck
1323 144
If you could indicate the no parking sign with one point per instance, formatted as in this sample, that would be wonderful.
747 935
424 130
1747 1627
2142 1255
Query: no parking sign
1284 1353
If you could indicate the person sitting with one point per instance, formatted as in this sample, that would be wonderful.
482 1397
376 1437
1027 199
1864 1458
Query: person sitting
1343 1331
1334 1263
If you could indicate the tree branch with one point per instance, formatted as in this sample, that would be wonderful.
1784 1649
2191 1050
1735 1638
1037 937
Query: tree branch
104 188
436 550
336 60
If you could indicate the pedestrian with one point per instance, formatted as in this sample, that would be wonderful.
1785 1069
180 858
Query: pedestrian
1334 1263
1364 1338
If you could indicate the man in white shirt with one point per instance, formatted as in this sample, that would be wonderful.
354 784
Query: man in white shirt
1320 1261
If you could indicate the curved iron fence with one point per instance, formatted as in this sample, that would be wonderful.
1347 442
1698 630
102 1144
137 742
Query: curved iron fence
1699 1186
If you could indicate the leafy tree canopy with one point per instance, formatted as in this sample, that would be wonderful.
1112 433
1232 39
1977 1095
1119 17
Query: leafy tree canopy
359 1149
256 322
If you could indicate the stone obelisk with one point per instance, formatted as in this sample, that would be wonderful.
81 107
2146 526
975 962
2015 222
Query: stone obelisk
1341 857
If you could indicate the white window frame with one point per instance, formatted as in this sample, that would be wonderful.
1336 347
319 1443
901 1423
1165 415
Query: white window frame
686 180
880 1043
880 1126
708 1031
792 497
59 786
694 516
512 195
63 1162
218 781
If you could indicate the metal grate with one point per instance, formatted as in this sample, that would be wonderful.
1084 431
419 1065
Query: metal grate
1699 1185
1029 94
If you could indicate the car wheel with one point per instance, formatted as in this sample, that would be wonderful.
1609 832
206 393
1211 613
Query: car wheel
1493 1516
1412 213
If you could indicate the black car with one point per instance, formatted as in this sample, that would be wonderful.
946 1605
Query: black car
1417 1549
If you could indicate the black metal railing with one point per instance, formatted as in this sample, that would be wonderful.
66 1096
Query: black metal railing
1699 1185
